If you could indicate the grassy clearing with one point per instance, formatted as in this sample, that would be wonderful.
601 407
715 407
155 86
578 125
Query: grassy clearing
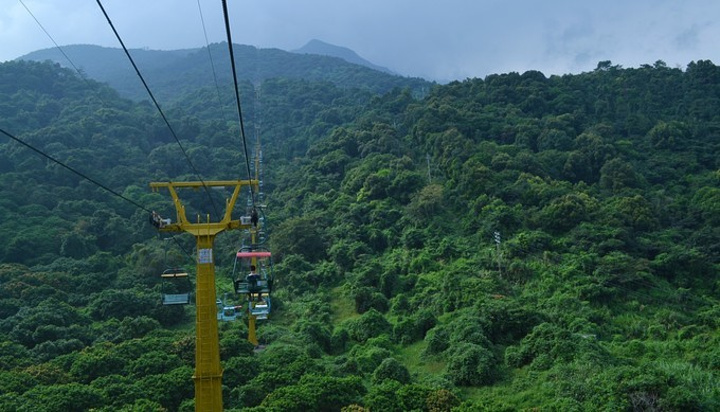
343 308
411 357
519 391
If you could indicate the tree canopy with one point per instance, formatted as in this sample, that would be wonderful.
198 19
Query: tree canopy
513 242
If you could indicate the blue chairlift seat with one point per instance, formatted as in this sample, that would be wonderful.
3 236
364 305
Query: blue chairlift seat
229 313
261 310
176 299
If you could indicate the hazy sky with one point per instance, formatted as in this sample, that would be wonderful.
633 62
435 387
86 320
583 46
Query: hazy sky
435 39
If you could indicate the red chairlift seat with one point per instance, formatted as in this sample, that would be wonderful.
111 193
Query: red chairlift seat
248 255
264 282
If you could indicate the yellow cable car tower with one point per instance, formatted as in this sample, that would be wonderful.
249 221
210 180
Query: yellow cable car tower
252 317
208 372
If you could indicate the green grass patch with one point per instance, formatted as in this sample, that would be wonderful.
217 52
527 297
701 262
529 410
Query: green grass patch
411 357
522 391
343 308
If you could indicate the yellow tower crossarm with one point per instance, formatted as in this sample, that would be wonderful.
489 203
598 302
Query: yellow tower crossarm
182 224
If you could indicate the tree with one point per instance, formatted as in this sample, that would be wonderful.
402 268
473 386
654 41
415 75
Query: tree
567 211
441 400
156 387
427 203
667 135
617 175
66 397
118 303
299 236
384 397
470 364
315 392
390 368
96 362
371 324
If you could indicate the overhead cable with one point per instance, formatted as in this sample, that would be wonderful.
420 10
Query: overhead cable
47 156
157 105
51 39
89 179
237 98
212 61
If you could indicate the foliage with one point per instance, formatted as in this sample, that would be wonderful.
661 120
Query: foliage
391 369
371 324
538 243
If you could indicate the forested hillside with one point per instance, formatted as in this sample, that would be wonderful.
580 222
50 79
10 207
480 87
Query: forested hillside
510 243
174 73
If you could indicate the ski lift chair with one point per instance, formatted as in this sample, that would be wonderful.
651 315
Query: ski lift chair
243 261
176 287
260 288
261 309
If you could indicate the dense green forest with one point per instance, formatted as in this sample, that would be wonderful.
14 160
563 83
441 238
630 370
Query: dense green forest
510 243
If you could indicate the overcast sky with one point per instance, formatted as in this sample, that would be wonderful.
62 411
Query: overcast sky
435 39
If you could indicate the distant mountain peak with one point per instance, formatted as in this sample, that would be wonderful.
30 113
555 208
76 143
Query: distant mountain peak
170 71
322 48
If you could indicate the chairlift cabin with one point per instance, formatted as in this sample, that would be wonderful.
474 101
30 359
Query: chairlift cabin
176 287
228 313
261 309
256 284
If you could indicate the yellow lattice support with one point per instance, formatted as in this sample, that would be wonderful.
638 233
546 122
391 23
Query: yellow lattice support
208 372
252 336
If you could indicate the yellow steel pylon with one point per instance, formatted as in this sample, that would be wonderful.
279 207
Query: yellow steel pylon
208 372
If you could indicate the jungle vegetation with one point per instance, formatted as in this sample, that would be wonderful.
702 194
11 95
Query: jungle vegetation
518 242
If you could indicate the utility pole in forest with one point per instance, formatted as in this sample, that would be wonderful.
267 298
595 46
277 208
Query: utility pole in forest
427 157
496 235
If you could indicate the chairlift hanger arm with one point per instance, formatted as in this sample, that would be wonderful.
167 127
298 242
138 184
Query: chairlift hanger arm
209 183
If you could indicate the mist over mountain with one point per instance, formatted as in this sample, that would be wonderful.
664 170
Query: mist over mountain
171 73
315 46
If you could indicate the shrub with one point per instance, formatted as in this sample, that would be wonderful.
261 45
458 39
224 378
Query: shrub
437 339
390 368
413 328
384 397
441 400
367 298
470 364
367 358
547 339
371 324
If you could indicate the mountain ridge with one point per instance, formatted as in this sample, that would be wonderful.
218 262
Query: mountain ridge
173 72
322 48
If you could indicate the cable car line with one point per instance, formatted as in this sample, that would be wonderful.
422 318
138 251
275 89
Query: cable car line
82 76
84 176
157 105
80 73
47 156
212 62
237 99
51 39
